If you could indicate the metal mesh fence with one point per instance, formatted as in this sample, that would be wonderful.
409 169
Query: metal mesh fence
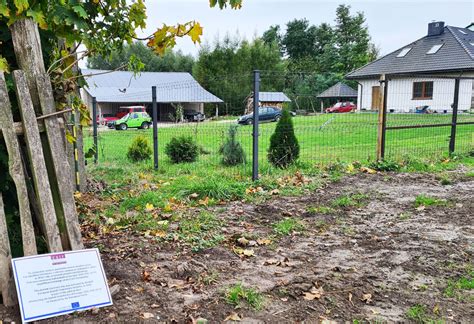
419 117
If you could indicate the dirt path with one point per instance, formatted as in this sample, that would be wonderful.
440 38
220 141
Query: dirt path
378 259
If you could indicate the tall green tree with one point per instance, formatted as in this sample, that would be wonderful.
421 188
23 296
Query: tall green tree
352 40
170 61
226 68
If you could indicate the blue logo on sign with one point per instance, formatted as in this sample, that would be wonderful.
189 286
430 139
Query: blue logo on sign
75 305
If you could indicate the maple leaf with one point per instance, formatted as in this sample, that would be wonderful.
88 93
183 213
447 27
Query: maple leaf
195 33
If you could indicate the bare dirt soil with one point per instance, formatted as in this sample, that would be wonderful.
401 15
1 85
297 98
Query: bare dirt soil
370 262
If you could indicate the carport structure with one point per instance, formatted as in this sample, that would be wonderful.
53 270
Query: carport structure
338 92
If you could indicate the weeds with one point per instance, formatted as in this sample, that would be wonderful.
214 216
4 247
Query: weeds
351 200
417 313
201 232
320 210
423 200
288 226
455 287
237 294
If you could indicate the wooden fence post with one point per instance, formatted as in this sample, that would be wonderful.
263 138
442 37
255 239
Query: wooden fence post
28 53
6 280
37 164
17 173
62 169
381 125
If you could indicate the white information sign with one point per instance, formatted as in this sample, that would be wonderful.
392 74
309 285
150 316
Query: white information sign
50 285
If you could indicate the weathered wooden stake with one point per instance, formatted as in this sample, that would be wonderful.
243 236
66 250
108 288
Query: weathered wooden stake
37 163
16 170
61 165
28 53
6 282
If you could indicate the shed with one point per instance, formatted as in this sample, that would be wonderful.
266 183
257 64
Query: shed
338 92
113 89
267 99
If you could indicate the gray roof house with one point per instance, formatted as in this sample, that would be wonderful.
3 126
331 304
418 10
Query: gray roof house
115 89
419 72
273 97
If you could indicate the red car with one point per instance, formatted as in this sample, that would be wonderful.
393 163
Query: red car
342 107
110 118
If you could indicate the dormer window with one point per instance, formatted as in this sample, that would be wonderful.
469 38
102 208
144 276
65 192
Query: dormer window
435 49
404 52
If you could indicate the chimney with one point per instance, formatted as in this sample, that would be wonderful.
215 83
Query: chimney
435 28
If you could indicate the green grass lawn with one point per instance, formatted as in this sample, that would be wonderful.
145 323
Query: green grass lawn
323 139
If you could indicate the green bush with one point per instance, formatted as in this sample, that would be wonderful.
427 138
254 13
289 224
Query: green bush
139 150
182 149
284 148
232 152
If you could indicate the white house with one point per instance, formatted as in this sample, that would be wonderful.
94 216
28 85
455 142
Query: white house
422 72
114 89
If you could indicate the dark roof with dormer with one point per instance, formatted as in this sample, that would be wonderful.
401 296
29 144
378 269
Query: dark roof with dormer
455 55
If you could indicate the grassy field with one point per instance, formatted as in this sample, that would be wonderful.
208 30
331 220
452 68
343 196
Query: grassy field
324 139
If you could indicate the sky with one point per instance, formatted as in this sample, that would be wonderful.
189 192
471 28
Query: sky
392 24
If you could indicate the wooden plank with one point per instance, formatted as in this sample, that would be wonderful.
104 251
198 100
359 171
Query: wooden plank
61 165
37 163
28 53
16 170
6 280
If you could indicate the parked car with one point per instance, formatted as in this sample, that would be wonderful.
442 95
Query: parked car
342 107
123 111
106 119
264 114
194 116
133 120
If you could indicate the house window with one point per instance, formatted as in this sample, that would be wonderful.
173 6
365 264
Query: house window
404 52
434 49
423 90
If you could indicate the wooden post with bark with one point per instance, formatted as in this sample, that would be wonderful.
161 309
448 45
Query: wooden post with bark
42 175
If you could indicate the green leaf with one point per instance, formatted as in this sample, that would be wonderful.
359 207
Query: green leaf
21 5
4 11
4 65
37 16
80 11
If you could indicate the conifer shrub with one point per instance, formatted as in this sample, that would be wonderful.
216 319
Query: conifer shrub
139 150
231 150
284 148
182 149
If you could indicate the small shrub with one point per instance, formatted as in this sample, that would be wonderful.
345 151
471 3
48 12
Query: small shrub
385 165
182 149
232 152
139 150
284 148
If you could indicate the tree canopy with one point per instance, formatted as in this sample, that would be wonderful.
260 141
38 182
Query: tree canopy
170 61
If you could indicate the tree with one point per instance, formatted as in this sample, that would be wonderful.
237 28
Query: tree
226 70
170 61
273 37
284 148
300 40
352 40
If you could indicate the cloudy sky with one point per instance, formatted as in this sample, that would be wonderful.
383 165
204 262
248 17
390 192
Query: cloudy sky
392 24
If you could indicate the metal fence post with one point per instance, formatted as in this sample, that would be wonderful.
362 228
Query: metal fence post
155 126
256 101
454 120
94 128
382 120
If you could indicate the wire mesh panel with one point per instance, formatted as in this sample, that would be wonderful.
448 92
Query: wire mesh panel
420 116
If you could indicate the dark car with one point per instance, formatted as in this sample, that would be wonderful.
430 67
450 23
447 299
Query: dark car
194 116
264 114
342 107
